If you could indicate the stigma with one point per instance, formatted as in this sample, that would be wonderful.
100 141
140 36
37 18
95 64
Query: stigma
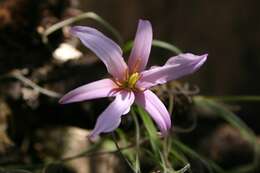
130 82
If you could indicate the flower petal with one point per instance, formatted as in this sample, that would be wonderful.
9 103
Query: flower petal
110 119
97 89
142 46
154 106
174 68
106 49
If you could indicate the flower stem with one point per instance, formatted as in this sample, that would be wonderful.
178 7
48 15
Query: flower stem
137 129
120 152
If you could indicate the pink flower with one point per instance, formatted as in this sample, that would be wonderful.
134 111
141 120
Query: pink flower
129 83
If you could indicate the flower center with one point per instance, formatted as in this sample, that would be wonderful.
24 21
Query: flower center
130 82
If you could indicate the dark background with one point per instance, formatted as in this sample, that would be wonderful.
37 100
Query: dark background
227 30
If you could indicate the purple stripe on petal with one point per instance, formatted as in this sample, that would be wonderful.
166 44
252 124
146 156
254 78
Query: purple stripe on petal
174 68
106 49
142 46
154 106
97 89
110 119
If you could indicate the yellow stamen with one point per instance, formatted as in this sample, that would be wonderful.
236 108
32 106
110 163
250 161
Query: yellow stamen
133 79
130 82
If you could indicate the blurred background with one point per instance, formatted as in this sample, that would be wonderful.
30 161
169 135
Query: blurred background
34 73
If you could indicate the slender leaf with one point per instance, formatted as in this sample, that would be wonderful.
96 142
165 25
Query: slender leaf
236 98
151 130
156 43
137 133
167 46
87 15
231 118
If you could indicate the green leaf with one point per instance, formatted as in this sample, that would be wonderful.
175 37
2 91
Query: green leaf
236 122
151 130
227 115
128 46
124 140
87 15
14 171
179 156
156 43
167 46
137 147
237 98
190 152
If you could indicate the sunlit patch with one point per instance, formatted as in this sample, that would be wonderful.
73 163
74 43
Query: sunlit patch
66 52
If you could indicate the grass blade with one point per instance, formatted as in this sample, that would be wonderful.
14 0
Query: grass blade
87 15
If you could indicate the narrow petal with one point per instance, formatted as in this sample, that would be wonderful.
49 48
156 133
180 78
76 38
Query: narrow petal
154 106
106 49
142 46
97 89
174 68
110 119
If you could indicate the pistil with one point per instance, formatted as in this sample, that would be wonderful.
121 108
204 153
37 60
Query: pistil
130 82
